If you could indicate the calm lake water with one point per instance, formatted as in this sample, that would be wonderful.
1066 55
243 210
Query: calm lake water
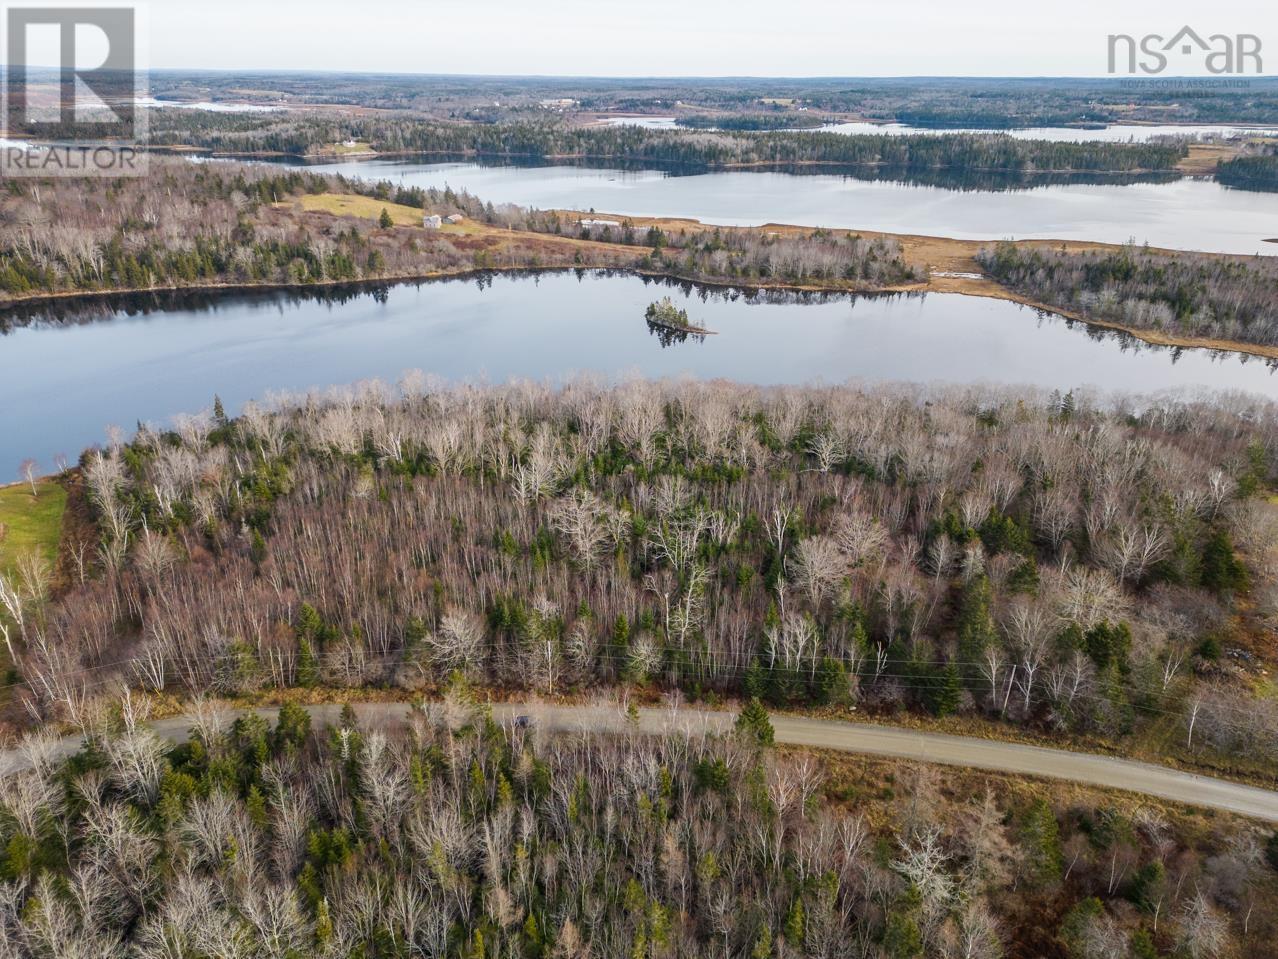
205 106
1118 133
62 381
1185 214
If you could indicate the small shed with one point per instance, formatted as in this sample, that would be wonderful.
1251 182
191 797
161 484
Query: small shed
455 218
432 221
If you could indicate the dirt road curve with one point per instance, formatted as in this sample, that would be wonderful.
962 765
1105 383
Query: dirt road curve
1013 758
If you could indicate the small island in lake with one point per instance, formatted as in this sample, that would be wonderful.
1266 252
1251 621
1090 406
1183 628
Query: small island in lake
670 324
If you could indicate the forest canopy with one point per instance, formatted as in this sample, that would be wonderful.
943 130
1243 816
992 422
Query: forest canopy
1216 297
1038 560
451 837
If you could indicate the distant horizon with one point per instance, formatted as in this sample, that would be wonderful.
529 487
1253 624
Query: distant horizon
797 78
1206 81
999 39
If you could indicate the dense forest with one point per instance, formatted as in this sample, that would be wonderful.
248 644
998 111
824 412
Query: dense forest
191 225
776 120
821 258
197 225
1062 567
1216 297
302 135
1255 172
451 837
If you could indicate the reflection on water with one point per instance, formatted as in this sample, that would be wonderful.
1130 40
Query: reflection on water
1185 214
69 370
983 181
670 336
947 179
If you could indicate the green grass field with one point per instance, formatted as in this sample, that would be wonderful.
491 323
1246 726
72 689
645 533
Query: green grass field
30 524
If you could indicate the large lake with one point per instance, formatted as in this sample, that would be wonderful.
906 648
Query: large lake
63 380
1188 214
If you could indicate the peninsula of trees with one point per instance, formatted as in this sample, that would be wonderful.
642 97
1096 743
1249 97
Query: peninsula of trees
1214 297
1255 172
546 140
199 225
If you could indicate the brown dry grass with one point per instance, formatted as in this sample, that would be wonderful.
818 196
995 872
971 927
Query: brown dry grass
1203 158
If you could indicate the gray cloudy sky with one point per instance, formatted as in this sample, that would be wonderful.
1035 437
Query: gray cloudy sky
682 37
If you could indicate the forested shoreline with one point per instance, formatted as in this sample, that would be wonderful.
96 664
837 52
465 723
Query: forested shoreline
1042 561
1257 172
747 122
1056 564
1000 554
1224 298
241 225
306 136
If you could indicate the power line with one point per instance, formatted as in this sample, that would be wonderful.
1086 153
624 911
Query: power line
901 680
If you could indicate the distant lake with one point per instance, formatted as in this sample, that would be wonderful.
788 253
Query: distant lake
1188 214
1115 133
68 371
205 106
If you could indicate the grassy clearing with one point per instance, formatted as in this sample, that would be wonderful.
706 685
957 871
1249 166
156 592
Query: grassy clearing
30 523
370 208
1203 157
365 207
345 149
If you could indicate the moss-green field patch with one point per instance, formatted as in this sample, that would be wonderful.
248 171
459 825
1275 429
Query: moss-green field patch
30 523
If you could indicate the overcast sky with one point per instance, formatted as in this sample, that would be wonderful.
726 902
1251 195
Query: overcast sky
682 37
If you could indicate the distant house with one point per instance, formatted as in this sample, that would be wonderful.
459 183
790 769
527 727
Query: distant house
593 223
455 218
432 221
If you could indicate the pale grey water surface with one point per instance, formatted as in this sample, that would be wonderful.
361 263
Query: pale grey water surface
63 378
1186 214
1114 133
